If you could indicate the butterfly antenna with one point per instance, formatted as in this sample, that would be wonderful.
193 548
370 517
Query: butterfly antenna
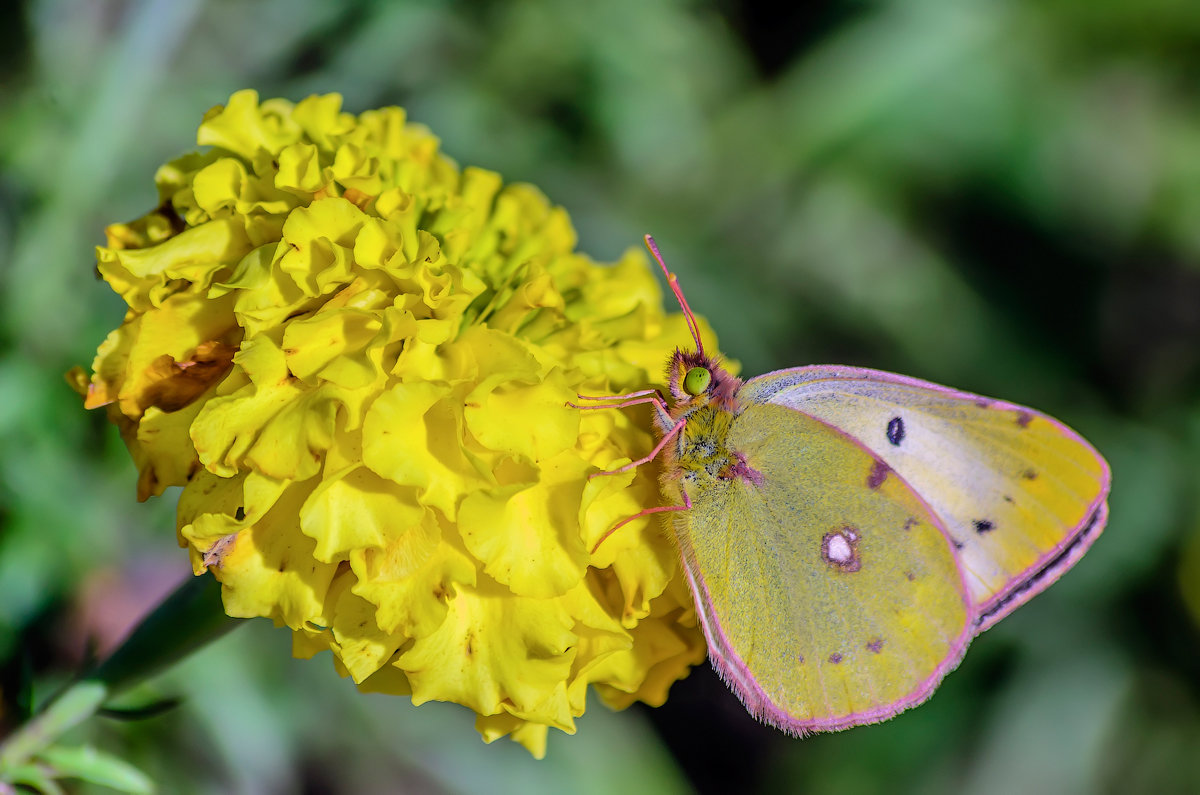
673 281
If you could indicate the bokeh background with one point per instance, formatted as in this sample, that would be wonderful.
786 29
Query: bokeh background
1000 195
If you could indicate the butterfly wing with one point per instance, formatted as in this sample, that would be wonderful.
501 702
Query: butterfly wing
828 591
1022 495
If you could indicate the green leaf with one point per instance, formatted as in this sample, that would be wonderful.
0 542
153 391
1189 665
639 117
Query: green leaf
73 706
35 777
98 767
143 711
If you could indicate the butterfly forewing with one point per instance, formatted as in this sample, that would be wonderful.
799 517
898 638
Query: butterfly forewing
829 593
1021 494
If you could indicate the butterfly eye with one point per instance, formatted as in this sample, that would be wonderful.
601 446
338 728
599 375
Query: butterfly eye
696 380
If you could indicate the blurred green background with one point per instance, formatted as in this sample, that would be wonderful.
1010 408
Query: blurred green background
1002 196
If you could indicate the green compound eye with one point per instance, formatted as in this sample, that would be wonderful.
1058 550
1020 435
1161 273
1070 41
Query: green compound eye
696 380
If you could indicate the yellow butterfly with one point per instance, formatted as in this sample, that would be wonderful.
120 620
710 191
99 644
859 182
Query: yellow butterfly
846 532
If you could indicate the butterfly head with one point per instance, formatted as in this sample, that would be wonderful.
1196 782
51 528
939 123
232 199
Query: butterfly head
698 379
695 378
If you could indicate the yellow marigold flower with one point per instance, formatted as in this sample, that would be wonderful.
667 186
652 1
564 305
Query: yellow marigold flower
355 358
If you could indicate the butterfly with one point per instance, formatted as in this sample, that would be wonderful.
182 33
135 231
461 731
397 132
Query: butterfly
846 532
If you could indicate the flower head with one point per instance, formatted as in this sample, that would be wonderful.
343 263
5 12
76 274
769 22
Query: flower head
356 360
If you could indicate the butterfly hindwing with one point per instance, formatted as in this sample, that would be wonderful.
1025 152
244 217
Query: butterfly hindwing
829 592
1021 495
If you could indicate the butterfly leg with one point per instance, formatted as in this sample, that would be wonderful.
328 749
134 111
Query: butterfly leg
662 416
654 397
687 503
649 456
628 399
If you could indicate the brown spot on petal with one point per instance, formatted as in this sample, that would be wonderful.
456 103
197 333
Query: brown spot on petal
875 646
835 658
173 385
214 556
1029 474
1024 418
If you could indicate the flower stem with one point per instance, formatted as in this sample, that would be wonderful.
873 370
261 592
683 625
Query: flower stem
191 617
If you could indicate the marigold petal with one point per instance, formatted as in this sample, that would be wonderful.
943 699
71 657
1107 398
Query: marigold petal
412 435
273 425
196 256
362 647
272 571
659 656
530 735
492 649
181 324
205 497
317 251
388 679
529 420
321 120
162 450
334 346
528 535
243 126
412 578
357 509
300 169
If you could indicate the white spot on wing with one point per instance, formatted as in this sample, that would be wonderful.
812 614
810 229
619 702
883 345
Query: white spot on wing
839 549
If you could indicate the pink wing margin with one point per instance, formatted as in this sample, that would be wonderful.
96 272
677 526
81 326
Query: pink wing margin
1047 569
736 674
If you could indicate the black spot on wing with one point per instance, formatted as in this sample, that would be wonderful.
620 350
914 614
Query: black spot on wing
984 525
895 431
